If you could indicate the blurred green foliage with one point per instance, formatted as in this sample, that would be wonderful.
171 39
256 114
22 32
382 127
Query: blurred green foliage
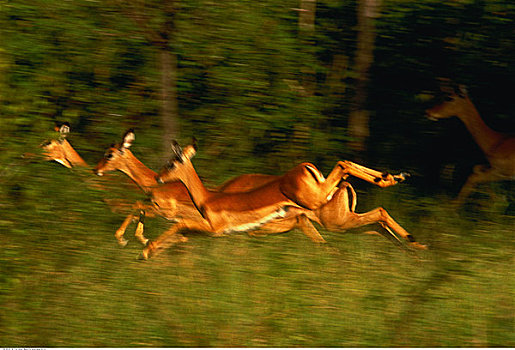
242 73
243 69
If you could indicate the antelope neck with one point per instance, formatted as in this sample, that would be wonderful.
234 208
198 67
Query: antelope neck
484 136
72 156
139 173
198 192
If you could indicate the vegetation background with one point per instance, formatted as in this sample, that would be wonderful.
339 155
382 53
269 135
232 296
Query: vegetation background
262 86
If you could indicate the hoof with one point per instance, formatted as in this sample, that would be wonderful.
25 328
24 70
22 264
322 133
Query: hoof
217 235
402 177
417 245
147 252
143 256
372 232
122 242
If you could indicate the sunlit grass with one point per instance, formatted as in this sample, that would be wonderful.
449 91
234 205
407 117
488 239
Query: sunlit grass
65 282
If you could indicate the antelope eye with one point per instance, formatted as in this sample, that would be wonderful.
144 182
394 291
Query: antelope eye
109 156
448 98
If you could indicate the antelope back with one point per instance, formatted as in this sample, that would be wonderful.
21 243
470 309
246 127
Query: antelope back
303 184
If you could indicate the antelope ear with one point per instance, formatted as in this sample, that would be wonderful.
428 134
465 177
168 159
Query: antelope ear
194 143
64 129
177 151
190 150
462 91
445 85
128 138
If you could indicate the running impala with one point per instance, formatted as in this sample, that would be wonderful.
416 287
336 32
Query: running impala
300 195
61 151
498 147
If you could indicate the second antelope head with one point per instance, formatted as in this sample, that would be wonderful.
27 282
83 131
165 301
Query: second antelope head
177 165
116 156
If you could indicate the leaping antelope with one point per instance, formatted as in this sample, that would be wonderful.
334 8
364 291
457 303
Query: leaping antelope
300 195
498 147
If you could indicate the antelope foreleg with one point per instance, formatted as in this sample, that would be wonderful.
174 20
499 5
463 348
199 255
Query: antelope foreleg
343 169
309 230
172 236
140 228
138 206
121 230
481 174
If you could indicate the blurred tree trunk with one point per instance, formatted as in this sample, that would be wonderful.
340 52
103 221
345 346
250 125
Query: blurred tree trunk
161 39
337 73
307 12
169 106
368 11
168 67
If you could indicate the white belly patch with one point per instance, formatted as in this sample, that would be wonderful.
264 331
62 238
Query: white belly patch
278 214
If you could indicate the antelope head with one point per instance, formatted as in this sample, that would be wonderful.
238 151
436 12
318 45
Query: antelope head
116 156
456 101
56 150
175 168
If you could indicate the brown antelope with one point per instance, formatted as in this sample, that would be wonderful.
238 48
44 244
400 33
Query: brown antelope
300 195
499 148
61 151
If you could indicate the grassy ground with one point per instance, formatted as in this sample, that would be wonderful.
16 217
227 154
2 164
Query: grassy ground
64 281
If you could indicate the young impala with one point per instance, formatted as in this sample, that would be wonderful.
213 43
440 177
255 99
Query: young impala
498 147
300 195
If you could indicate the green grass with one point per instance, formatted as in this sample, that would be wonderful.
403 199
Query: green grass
64 282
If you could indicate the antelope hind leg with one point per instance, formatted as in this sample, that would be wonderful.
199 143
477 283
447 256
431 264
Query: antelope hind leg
309 230
381 216
381 179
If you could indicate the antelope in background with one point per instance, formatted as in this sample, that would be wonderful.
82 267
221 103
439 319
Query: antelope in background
498 147
61 151
300 195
